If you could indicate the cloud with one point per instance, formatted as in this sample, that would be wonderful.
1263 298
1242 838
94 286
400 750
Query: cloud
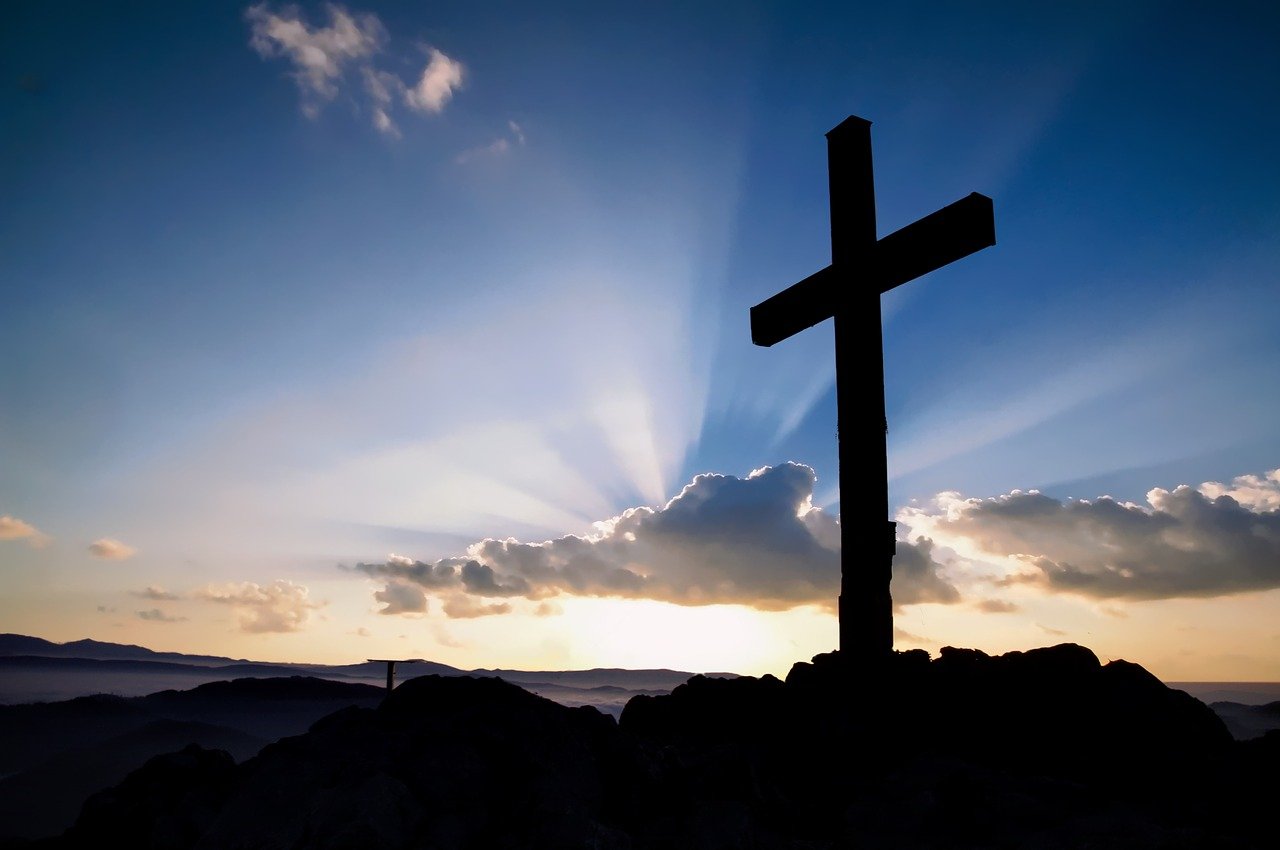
323 59
907 637
155 592
319 55
464 607
381 86
281 606
1256 492
1211 540
401 597
155 615
12 528
996 606
756 541
548 609
109 549
497 147
444 638
436 85
361 632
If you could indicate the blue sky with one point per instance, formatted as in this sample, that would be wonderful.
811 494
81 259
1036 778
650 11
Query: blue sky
257 328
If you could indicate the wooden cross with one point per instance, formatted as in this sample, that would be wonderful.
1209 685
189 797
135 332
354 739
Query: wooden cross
849 290
391 668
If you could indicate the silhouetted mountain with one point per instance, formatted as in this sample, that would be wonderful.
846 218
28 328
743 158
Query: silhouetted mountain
54 755
45 799
1248 721
11 644
1046 748
38 670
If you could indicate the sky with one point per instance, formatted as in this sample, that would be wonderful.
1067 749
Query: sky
336 331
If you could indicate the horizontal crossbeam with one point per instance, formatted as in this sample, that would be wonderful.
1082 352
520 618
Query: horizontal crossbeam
955 231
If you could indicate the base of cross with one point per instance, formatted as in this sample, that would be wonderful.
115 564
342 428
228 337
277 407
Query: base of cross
865 605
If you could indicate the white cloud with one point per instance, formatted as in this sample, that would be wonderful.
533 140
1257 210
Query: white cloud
319 55
1256 492
12 528
111 550
755 541
281 606
436 85
323 57
1212 540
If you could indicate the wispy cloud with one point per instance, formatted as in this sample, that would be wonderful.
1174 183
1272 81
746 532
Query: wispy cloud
319 55
497 147
281 606
155 615
12 528
157 593
109 549
464 608
323 59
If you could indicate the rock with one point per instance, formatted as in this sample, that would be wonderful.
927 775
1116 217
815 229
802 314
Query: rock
1045 748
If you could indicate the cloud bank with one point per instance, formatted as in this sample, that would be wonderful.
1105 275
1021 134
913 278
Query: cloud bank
323 58
756 541
281 606
1211 540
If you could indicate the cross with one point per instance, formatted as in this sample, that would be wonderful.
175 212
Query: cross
391 668
849 290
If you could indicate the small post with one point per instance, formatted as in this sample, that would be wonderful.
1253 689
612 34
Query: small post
391 668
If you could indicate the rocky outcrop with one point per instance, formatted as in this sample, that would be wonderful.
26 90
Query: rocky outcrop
1047 748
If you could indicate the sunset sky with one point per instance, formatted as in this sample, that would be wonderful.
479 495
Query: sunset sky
421 329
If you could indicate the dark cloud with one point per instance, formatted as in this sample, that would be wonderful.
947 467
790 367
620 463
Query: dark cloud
1213 540
916 578
756 541
996 606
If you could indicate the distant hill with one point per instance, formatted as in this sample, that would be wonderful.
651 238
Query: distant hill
54 755
12 644
1248 721
33 669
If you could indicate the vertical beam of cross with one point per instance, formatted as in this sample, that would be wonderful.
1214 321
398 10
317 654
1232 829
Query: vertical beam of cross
862 268
865 606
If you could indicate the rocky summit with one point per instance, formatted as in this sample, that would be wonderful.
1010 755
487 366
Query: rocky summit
1046 748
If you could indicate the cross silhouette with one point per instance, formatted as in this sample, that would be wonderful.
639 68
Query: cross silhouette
862 269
